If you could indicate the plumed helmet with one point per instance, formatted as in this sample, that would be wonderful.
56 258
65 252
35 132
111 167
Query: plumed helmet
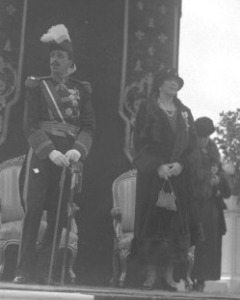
58 38
204 126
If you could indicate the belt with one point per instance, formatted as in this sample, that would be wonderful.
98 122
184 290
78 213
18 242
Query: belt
59 129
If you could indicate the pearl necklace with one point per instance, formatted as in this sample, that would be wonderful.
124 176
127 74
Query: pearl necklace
168 112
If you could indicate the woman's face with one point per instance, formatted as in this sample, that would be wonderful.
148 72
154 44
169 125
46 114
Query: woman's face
170 86
203 141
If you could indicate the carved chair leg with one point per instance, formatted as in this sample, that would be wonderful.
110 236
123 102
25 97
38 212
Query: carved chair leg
72 260
188 281
123 254
3 248
116 268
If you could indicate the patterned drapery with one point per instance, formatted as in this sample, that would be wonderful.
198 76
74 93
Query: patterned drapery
150 43
12 29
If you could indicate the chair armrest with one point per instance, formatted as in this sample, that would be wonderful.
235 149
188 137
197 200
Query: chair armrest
117 222
125 241
116 212
122 240
74 227
117 226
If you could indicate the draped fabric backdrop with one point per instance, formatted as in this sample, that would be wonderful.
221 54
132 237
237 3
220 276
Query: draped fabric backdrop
118 45
12 33
150 43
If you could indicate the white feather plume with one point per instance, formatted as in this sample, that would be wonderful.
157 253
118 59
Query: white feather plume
57 33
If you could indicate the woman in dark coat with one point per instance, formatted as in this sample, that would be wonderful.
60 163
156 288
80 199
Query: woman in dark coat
164 142
211 187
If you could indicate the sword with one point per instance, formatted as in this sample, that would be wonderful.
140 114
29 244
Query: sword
72 209
61 183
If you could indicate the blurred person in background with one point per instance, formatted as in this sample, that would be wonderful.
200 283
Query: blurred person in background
211 187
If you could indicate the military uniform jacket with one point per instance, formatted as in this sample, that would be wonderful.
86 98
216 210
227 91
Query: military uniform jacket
65 108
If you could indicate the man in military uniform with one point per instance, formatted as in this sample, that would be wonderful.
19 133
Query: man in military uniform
59 125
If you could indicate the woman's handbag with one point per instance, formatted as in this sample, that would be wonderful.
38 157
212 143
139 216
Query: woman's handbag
166 199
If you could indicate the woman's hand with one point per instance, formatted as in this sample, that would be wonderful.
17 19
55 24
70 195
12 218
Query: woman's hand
175 168
164 172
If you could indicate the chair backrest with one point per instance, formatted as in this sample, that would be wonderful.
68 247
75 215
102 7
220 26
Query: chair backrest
10 206
124 198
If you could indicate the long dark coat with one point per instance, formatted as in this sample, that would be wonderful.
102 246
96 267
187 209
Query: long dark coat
161 235
211 212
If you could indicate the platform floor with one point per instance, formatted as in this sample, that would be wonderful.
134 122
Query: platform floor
36 292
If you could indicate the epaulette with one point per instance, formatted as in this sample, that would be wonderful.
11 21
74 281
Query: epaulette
85 84
32 82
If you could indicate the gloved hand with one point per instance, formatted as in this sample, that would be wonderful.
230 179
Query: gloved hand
58 158
73 155
175 168
164 171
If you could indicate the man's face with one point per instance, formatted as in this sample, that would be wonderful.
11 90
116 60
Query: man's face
60 62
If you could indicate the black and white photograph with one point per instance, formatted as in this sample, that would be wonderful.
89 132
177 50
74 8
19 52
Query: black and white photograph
119 149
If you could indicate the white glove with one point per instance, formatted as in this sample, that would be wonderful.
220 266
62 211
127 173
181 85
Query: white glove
175 168
164 171
58 158
73 155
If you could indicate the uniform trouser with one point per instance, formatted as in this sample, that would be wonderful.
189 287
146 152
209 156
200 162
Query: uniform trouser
41 192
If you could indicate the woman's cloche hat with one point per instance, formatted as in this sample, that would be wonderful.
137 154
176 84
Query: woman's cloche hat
204 126
167 73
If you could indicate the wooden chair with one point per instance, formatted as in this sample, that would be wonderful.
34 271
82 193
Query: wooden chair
124 193
12 214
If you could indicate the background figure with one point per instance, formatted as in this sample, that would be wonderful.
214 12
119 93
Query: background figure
211 187
164 142
59 125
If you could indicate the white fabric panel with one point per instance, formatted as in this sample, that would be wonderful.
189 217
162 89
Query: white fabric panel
11 209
